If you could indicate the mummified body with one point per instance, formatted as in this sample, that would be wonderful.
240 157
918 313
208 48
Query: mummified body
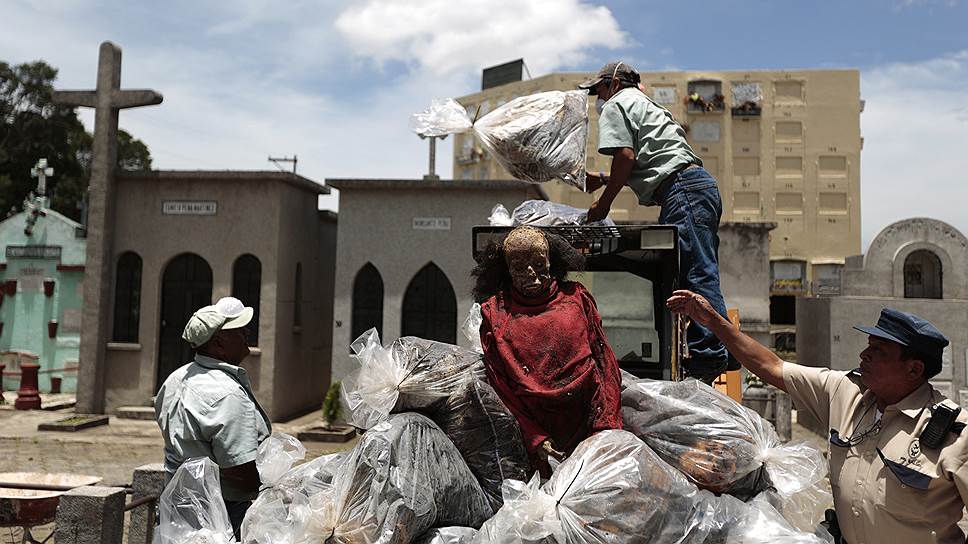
545 351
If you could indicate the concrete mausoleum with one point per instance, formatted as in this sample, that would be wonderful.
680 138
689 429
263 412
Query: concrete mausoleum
182 240
41 274
404 256
915 265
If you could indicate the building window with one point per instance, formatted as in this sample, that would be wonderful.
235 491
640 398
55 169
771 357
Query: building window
127 298
367 302
297 298
922 275
430 307
247 287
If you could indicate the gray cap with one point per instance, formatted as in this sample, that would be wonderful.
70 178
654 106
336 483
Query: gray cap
227 313
620 70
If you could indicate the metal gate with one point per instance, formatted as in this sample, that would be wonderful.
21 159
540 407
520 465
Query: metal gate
185 287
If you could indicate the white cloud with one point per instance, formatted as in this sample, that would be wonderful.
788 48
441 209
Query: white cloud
915 127
442 36
246 80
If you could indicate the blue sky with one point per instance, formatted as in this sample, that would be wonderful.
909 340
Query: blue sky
334 82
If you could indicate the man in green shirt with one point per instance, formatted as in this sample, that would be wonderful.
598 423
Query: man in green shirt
650 154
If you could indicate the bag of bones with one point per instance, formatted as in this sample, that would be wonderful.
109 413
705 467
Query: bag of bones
411 374
536 138
719 444
402 478
191 509
613 488
542 213
487 436
279 514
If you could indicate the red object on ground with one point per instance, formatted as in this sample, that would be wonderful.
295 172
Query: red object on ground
52 328
28 396
549 361
48 287
55 384
10 287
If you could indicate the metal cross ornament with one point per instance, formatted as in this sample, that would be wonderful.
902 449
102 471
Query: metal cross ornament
41 171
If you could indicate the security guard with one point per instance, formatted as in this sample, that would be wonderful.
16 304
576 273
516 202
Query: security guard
898 456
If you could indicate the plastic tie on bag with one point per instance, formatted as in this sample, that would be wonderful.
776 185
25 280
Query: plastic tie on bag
471 328
500 217
370 393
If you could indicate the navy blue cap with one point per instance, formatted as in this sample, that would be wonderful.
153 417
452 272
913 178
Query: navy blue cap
911 331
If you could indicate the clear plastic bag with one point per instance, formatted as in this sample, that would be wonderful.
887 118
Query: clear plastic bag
444 116
410 374
500 217
719 444
276 455
542 213
613 488
761 523
536 138
402 478
449 535
191 509
487 436
279 514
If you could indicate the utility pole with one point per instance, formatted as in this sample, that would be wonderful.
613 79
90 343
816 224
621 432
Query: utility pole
276 160
431 173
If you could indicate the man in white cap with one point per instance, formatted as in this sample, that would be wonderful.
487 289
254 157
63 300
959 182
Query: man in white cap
207 409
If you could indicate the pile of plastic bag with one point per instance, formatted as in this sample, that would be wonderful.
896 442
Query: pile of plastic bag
442 462
445 383
542 213
536 138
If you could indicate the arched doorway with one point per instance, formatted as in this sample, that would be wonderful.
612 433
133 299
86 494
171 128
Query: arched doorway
367 302
186 286
922 275
430 307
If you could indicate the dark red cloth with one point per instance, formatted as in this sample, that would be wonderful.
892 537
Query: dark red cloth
549 361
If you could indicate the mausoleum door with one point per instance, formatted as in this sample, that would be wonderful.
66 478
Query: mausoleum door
185 287
922 275
430 307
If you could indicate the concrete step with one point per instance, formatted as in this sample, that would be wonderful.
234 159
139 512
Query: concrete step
136 412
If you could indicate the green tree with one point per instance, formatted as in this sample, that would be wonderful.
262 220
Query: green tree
32 126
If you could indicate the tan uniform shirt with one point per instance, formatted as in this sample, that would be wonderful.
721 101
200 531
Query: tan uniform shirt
887 488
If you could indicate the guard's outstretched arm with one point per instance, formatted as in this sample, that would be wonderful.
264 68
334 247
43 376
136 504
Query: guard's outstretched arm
754 356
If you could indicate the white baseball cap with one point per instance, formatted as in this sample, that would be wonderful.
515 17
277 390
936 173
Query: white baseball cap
227 313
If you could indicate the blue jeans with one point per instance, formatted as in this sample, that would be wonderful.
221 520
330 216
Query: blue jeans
691 202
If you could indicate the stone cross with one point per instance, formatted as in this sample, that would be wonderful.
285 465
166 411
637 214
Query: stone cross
106 100
41 171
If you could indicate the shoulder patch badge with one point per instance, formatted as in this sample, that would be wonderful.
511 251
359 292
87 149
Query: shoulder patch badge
914 450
